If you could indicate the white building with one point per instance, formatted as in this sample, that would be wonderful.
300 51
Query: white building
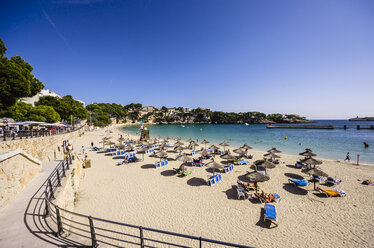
46 92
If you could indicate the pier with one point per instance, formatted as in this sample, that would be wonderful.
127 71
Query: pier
358 127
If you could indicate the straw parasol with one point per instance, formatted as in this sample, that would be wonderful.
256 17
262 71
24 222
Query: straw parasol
264 164
142 151
178 143
239 151
228 156
274 150
311 161
257 177
272 155
205 142
224 144
308 153
190 140
215 166
184 158
213 147
204 152
245 146
161 154
315 172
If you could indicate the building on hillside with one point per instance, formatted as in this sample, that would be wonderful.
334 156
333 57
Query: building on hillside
147 109
33 99
84 104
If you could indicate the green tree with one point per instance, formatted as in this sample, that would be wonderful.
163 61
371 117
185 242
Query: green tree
69 107
44 113
16 80
20 111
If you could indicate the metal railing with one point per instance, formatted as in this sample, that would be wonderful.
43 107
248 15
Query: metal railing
26 134
111 233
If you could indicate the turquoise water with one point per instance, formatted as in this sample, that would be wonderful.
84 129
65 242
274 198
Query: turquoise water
333 144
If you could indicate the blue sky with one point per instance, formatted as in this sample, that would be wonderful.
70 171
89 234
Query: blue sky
314 58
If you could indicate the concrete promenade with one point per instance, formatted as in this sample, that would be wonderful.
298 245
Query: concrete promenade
21 221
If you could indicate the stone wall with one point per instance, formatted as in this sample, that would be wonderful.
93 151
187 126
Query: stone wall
42 148
17 168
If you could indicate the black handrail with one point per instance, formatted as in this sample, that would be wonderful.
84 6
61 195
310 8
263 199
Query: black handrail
25 134
55 211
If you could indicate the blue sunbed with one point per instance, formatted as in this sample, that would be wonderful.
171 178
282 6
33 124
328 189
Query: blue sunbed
271 213
302 182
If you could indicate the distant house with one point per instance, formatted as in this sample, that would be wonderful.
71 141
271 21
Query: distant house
147 109
186 110
33 99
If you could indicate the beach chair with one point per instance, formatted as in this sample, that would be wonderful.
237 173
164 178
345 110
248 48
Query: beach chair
227 169
211 180
318 178
242 162
240 192
302 182
299 165
332 192
277 197
271 214
332 180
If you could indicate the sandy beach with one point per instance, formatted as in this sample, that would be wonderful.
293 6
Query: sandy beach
140 194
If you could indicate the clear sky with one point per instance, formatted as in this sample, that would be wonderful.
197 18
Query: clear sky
314 58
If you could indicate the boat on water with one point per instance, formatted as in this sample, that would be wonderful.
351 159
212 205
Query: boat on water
246 124
182 126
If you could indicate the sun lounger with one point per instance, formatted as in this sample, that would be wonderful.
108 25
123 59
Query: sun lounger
161 163
241 193
302 182
332 180
271 214
241 162
318 178
332 192
228 168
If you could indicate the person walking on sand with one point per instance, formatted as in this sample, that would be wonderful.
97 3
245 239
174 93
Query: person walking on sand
348 157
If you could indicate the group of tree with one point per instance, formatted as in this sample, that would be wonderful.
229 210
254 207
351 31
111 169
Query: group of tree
102 113
17 81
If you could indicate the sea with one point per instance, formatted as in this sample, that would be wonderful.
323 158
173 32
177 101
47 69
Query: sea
326 143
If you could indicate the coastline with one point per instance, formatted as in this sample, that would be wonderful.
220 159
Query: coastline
120 126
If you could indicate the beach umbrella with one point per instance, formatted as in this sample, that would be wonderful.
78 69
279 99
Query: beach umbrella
161 154
213 147
245 146
205 142
311 161
190 140
215 166
274 150
194 144
178 148
184 158
142 151
224 144
308 153
272 155
257 177
228 156
178 143
239 151
265 164
315 172
204 153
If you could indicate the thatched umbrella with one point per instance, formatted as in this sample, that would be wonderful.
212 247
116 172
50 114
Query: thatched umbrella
224 144
228 157
178 148
178 143
245 146
204 153
315 172
213 147
161 154
272 155
190 140
240 151
274 150
215 166
264 164
142 151
205 142
311 161
184 158
194 144
308 153
257 177
121 139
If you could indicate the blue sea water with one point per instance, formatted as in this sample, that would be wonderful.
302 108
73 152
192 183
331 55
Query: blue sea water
332 144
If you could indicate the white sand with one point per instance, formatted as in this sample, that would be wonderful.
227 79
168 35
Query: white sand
140 194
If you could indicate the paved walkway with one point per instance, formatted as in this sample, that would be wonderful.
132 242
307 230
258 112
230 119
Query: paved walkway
21 221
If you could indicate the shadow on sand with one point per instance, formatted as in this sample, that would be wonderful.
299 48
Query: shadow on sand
293 176
197 181
290 187
148 166
168 173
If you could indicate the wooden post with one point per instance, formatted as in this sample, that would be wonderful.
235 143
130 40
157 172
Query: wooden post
358 159
345 126
358 127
